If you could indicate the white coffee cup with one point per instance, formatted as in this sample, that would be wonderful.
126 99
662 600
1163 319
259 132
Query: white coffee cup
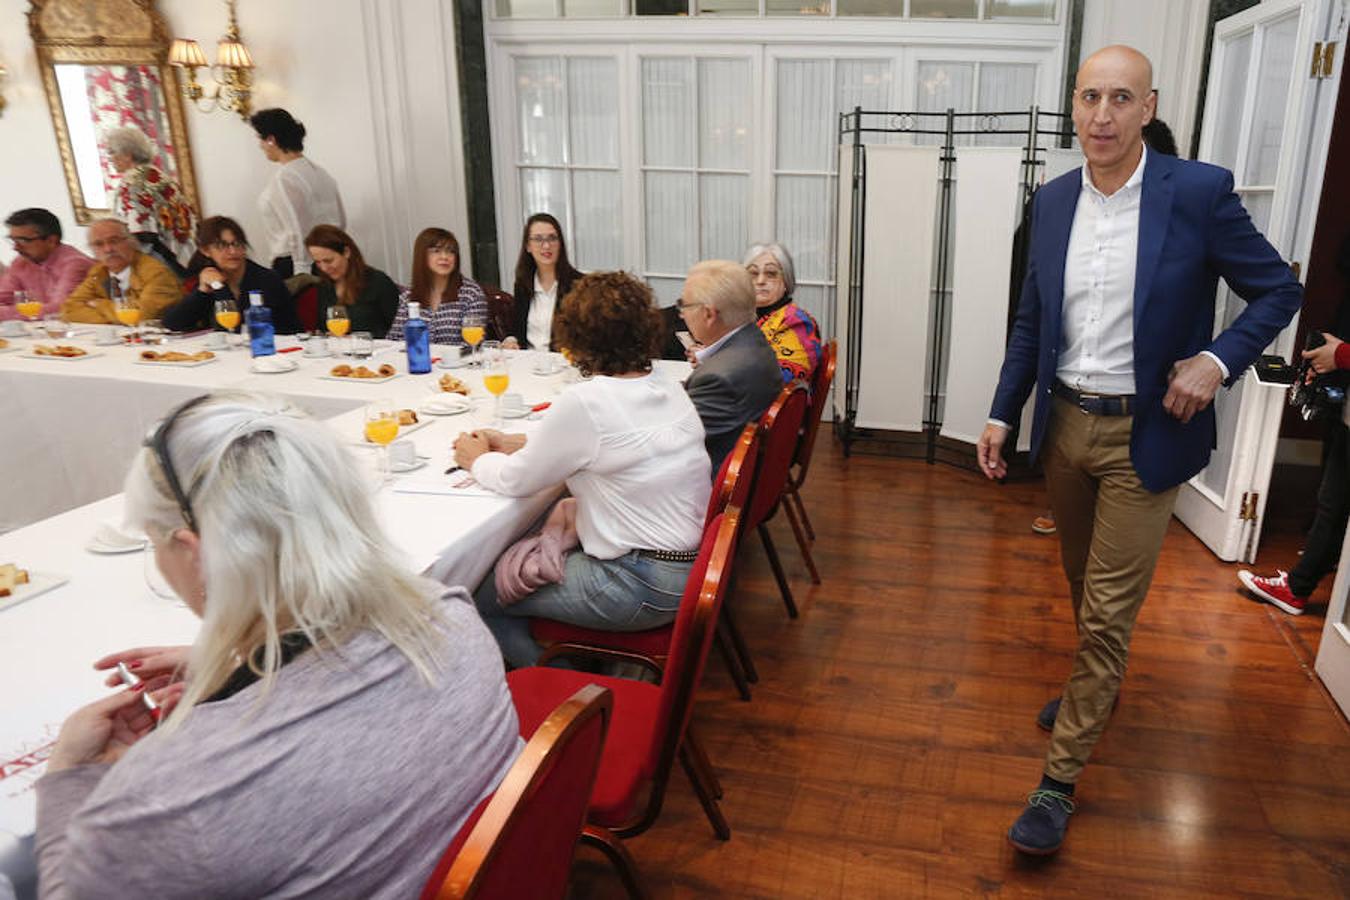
106 337
402 455
544 363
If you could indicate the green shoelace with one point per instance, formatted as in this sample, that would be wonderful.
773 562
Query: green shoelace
1047 798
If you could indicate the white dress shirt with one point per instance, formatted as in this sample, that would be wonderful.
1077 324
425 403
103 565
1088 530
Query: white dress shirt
630 450
539 323
299 196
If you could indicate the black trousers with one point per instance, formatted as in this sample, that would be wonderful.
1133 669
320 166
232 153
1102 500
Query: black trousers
1323 549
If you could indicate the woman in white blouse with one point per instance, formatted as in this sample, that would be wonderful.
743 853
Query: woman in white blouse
544 275
628 444
300 195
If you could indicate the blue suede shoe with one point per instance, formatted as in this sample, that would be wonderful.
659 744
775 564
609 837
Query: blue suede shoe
1039 830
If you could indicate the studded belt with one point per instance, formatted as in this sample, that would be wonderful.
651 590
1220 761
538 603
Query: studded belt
670 555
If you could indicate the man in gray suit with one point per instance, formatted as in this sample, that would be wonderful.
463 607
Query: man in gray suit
736 374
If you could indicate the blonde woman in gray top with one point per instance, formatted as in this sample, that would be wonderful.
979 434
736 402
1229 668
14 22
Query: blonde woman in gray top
333 724
299 196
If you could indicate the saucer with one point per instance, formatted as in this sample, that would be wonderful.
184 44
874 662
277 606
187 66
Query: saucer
407 467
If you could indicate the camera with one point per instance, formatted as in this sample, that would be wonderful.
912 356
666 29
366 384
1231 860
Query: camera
1323 394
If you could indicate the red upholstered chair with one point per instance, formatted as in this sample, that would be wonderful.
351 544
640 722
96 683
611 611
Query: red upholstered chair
649 730
307 308
779 431
649 648
519 842
501 313
821 380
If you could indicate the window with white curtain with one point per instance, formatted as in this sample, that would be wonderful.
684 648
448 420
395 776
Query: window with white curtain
811 93
696 147
974 86
568 140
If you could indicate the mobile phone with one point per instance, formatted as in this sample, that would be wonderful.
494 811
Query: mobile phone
685 338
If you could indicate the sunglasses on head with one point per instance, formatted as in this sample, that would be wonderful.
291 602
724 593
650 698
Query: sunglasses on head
158 443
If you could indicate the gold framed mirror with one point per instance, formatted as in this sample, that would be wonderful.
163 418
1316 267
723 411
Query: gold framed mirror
104 65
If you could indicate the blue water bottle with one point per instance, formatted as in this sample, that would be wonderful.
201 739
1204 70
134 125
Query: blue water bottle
260 331
418 338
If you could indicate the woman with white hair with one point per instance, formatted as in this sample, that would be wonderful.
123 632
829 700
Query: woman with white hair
151 203
336 719
791 331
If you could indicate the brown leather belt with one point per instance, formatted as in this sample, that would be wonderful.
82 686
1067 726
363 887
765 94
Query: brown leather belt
1096 404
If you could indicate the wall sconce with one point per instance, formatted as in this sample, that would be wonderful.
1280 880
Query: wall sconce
232 71
4 76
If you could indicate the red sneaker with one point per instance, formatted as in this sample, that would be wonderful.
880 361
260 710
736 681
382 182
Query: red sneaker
1274 589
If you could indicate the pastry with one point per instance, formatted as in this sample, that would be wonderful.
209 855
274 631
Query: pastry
64 350
340 371
3 343
11 576
387 371
452 385
406 417
149 355
363 372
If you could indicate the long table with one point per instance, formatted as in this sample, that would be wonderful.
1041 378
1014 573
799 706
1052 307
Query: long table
107 605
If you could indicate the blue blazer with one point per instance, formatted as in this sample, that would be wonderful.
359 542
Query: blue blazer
1192 229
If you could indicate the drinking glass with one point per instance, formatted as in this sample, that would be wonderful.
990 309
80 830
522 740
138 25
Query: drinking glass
129 314
496 376
382 428
337 321
227 315
473 329
27 305
361 345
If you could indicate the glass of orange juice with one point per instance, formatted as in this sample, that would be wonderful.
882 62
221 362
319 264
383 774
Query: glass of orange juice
382 428
27 305
227 314
496 377
129 314
473 329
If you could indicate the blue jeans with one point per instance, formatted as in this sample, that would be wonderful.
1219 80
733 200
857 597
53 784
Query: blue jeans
631 593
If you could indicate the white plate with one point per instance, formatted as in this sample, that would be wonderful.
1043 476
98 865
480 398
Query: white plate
38 583
403 470
444 406
349 380
180 364
274 368
452 362
109 539
403 431
520 413
88 355
12 348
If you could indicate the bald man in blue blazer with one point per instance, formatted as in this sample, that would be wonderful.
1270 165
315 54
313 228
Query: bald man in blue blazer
1114 332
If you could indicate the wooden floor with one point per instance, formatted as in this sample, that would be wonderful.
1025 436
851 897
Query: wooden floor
891 739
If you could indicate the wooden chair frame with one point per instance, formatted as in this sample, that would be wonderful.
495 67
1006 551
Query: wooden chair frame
521 783
795 509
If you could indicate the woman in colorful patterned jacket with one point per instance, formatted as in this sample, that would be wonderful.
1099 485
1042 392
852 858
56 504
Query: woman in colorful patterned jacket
791 331
151 203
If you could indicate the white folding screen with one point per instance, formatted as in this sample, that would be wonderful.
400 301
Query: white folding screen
902 185
986 209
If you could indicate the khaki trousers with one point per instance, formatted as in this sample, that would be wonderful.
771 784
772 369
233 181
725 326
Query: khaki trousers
1111 529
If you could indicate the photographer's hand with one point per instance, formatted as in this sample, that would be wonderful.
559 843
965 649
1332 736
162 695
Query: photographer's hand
1323 358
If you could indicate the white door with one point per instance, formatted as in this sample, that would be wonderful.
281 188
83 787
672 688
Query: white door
1258 124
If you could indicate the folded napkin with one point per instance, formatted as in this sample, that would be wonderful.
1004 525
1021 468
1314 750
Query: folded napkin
540 559
446 404
274 364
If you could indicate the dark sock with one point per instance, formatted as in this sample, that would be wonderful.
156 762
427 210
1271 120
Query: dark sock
1050 784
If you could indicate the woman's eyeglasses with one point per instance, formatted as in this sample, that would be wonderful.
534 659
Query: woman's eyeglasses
544 240
158 442
229 245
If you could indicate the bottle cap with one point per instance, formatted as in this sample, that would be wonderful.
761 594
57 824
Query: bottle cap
254 298
414 310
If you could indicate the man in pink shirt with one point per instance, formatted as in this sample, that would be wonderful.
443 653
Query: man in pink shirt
45 268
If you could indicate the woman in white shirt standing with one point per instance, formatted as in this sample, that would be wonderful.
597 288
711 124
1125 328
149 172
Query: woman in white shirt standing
628 444
544 275
299 196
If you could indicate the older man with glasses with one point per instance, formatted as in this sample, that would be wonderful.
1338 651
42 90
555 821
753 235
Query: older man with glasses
736 374
46 269
123 272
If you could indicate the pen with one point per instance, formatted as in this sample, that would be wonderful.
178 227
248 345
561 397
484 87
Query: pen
130 680
453 469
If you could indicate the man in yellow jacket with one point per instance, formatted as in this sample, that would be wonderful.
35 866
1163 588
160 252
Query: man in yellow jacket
142 279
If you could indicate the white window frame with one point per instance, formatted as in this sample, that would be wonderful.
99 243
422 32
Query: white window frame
766 41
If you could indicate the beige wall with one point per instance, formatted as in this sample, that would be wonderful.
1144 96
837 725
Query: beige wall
375 84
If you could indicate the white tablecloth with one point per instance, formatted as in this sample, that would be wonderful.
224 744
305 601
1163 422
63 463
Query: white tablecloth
80 423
